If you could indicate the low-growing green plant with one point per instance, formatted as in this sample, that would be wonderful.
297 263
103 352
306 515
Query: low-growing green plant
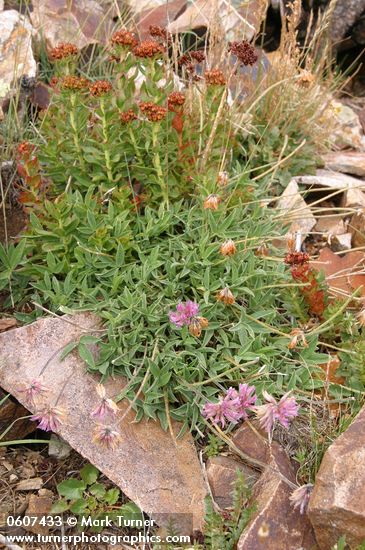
89 497
223 529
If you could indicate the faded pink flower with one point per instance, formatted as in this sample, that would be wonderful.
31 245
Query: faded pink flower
283 411
300 497
107 437
106 406
50 419
227 408
184 314
30 392
247 398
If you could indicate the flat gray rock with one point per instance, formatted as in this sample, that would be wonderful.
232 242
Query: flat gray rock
161 475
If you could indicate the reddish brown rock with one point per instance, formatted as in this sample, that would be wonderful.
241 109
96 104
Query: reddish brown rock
11 411
38 507
275 524
222 474
162 475
337 504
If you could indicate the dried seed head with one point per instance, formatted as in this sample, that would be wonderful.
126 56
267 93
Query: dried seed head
153 112
74 83
244 52
100 87
225 296
148 49
63 50
124 38
212 202
215 77
228 248
128 116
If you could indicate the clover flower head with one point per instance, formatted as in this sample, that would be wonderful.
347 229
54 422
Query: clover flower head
184 314
50 419
212 202
106 406
300 497
283 411
227 408
247 398
228 248
30 392
107 437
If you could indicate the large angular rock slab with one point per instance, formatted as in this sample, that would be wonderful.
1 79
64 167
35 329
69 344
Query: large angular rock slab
159 15
162 475
81 22
275 524
236 19
337 504
295 211
16 55
349 162
331 180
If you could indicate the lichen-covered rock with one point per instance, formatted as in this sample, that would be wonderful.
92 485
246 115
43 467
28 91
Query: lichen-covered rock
16 55
337 504
345 15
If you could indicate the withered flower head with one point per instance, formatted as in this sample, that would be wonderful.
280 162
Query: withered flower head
123 38
223 179
306 79
215 77
198 56
149 49
212 202
228 248
297 336
262 250
225 296
195 328
63 50
128 116
75 83
175 99
100 87
107 437
244 52
204 323
153 112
